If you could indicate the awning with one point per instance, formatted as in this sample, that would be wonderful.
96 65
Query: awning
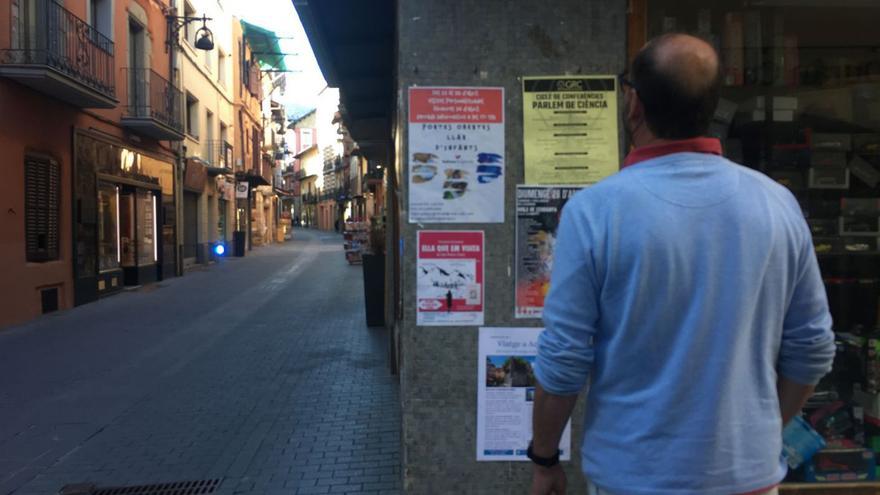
264 45
358 58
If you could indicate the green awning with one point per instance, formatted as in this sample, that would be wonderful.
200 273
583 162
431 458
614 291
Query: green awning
264 44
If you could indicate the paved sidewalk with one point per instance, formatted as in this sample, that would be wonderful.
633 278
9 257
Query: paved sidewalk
258 371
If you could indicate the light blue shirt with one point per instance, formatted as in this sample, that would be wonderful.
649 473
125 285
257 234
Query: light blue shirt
681 287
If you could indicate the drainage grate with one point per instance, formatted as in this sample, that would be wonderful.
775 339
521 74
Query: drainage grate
177 488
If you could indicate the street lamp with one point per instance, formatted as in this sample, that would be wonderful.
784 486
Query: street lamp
205 38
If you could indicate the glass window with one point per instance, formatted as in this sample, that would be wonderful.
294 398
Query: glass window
108 227
127 231
801 103
146 228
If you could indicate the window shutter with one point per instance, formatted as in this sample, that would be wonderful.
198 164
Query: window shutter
42 208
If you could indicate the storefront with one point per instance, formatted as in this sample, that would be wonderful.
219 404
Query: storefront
801 103
124 232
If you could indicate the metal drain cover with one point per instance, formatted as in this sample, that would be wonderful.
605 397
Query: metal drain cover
176 488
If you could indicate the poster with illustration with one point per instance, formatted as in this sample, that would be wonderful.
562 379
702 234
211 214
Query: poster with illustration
456 155
538 209
506 394
449 278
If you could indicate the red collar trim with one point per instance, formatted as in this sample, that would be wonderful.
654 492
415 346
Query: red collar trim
692 145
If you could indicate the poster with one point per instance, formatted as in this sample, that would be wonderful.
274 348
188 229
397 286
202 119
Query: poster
538 209
449 279
456 155
570 128
506 393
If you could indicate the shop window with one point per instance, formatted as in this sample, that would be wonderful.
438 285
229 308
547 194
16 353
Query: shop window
108 228
42 200
192 116
801 104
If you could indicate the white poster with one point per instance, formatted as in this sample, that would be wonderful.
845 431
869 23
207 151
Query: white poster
456 155
506 393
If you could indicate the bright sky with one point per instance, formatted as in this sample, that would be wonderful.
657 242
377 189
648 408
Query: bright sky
280 16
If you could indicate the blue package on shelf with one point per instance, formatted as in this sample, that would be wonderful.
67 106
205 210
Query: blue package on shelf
800 442
841 465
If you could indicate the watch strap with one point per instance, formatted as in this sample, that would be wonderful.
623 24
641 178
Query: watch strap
542 461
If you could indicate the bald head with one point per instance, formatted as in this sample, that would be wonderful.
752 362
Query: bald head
677 78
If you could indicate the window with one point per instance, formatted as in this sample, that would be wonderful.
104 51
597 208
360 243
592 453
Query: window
42 208
188 29
209 136
192 116
109 242
221 67
101 16
305 136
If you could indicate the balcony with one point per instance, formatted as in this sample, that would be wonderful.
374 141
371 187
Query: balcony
219 156
154 105
58 54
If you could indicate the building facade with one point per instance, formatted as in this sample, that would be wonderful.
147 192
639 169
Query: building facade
800 103
115 175
207 83
97 156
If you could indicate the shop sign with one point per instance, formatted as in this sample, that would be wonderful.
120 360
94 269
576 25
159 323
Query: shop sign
456 155
241 190
195 177
570 129
506 394
538 209
449 278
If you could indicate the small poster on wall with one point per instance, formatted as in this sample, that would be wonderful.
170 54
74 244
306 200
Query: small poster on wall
456 155
506 394
449 278
538 209
570 128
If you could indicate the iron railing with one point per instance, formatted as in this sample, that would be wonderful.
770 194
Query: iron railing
152 96
45 33
219 153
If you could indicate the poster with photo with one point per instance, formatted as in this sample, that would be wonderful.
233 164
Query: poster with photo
456 155
506 394
570 129
538 209
449 278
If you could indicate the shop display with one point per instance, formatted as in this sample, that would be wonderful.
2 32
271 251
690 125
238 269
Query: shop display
355 237
801 102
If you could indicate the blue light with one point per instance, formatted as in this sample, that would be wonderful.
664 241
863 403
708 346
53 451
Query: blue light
219 249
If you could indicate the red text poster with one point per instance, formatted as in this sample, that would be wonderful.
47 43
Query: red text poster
456 155
449 279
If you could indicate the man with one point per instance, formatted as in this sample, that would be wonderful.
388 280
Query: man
687 290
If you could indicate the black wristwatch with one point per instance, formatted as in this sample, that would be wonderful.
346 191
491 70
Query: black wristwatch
542 461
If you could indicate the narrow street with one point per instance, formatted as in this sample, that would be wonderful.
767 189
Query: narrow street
259 372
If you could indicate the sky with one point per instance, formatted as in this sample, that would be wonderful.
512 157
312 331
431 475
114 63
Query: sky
280 16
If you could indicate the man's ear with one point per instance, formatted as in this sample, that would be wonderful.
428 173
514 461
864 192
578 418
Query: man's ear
635 111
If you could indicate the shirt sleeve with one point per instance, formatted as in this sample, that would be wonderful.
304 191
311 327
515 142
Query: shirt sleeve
571 308
807 350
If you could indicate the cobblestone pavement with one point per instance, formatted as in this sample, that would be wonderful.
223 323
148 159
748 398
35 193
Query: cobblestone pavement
258 371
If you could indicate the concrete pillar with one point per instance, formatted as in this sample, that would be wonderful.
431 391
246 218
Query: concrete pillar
486 43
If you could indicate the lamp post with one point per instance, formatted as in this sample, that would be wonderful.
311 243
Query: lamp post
204 41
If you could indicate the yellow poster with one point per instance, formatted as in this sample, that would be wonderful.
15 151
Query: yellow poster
570 129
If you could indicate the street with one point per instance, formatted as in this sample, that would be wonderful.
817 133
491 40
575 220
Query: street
258 371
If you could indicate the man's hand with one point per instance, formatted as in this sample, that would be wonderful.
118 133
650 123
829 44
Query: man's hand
548 481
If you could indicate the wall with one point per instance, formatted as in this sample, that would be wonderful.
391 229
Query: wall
21 281
487 43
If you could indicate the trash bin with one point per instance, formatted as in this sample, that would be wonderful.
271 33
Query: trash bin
374 288
238 242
